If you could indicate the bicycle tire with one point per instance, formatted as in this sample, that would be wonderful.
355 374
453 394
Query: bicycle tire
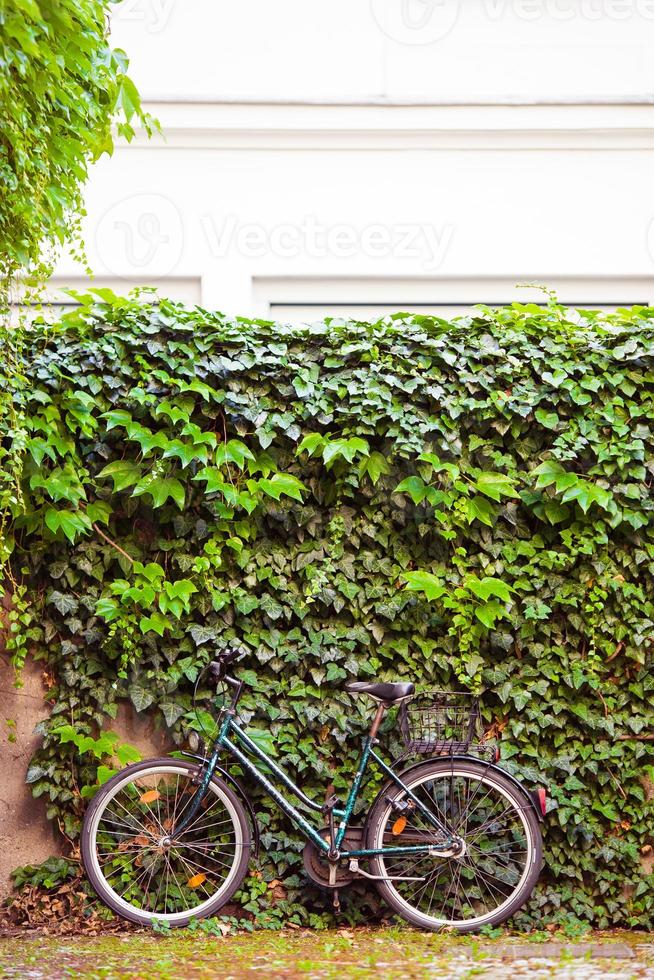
492 779
98 806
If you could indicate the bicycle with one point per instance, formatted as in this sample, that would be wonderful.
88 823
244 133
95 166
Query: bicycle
452 840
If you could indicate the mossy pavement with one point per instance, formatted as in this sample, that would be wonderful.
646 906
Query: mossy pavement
389 952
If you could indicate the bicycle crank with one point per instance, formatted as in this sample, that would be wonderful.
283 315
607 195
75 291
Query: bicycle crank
327 874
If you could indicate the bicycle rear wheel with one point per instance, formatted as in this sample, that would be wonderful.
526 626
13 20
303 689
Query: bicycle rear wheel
137 865
499 868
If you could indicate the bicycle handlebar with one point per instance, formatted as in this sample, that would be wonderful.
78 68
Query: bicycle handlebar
218 667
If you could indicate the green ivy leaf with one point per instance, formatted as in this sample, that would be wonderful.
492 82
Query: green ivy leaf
141 697
549 419
311 444
495 485
175 412
264 739
108 609
486 587
126 755
489 613
424 582
99 512
479 509
156 623
161 489
216 482
123 472
345 448
554 378
117 417
375 466
282 483
233 451
607 810
187 453
61 484
202 634
64 603
415 487
172 712
72 523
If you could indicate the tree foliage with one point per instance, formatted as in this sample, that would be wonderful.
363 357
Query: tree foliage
460 504
61 85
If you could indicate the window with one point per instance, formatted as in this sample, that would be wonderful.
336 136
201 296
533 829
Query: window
299 300
185 290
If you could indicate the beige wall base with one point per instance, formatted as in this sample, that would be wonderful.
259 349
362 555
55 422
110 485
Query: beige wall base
26 836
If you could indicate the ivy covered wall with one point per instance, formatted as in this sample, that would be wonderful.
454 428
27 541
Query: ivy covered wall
464 504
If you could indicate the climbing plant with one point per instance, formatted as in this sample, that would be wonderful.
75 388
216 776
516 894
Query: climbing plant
64 92
464 504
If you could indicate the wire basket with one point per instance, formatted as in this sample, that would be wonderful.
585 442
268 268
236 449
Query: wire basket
439 722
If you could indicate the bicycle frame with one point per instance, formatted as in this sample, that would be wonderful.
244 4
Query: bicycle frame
231 734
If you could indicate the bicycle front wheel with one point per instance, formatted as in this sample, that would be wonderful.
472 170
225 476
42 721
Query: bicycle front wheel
137 864
499 868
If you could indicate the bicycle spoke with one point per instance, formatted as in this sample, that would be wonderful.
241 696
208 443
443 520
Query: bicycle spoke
188 803
145 889
493 865
167 863
118 833
490 887
134 827
479 883
471 800
134 884
485 828
434 889
209 857
143 867
130 814
219 823
136 849
446 896
190 865
179 887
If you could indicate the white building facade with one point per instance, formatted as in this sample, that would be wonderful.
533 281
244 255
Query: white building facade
361 156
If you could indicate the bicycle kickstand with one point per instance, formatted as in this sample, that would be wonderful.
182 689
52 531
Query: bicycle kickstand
336 903
328 809
332 856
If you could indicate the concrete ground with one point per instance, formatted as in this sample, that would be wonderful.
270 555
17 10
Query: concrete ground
389 952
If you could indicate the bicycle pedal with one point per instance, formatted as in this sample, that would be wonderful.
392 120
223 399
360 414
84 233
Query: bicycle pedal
336 904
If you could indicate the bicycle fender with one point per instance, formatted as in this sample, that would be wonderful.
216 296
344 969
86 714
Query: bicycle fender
240 792
534 798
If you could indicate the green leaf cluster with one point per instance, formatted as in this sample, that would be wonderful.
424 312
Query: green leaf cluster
62 86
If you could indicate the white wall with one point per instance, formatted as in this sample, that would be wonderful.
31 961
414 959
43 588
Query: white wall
316 153
398 49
